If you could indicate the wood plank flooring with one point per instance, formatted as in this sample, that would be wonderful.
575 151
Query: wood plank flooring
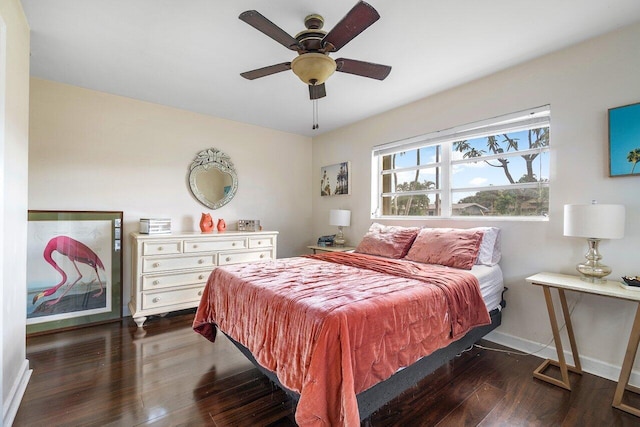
111 375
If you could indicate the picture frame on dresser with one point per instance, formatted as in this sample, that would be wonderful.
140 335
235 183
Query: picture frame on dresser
74 269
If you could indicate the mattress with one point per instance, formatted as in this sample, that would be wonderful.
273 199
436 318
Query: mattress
491 284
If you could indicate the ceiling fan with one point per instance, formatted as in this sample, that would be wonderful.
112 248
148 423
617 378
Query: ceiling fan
313 65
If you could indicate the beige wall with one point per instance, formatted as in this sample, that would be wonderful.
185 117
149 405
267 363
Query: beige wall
580 84
94 151
14 119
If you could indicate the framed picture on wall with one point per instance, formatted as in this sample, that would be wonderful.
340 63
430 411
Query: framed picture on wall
74 269
335 179
624 140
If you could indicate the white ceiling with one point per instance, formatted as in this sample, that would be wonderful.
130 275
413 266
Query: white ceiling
188 54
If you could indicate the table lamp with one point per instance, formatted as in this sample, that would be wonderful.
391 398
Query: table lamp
341 218
594 222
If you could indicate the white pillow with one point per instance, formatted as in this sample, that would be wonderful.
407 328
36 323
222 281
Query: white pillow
490 252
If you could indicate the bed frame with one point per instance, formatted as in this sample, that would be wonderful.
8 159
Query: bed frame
380 394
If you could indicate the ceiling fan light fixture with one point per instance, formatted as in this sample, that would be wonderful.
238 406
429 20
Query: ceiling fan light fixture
313 68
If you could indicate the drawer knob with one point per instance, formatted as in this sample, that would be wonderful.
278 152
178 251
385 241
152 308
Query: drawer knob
156 299
259 242
195 246
156 264
201 276
156 282
261 255
199 293
228 259
233 244
159 248
200 261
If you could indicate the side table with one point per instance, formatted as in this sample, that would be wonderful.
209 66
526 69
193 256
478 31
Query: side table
562 282
316 248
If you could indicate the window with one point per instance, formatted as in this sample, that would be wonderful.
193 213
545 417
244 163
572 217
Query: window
496 168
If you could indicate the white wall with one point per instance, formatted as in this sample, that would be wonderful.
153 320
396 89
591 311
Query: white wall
94 151
580 84
14 118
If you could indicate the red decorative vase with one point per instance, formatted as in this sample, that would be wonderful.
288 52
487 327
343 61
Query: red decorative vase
222 226
206 223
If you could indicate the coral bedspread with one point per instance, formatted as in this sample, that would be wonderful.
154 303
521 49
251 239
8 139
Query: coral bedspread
332 325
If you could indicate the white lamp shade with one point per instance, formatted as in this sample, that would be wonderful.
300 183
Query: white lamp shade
339 217
594 221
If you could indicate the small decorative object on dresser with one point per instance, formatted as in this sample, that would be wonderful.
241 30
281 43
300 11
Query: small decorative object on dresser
155 225
168 272
222 226
206 223
249 225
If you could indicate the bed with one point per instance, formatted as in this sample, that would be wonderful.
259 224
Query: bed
343 333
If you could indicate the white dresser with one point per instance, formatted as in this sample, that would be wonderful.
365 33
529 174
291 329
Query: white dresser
169 271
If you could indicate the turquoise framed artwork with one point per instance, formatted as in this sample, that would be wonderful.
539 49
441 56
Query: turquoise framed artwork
624 140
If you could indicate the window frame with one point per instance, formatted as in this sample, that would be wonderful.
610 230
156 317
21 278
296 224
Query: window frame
533 118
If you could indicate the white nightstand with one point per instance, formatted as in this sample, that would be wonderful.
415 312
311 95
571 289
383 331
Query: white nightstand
562 282
316 248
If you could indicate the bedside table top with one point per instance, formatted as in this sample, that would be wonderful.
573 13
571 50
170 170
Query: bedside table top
574 283
331 248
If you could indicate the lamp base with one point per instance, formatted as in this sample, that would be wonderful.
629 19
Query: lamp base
338 240
591 270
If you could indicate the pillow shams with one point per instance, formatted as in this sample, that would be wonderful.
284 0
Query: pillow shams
489 253
456 248
387 241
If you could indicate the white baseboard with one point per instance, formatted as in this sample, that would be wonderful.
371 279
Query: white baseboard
590 365
12 401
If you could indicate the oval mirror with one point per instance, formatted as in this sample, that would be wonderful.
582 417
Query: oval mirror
212 179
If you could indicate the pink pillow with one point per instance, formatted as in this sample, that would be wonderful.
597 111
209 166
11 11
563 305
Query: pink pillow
456 248
387 241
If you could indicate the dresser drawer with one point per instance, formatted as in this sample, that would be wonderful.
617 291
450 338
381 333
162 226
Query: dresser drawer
160 281
191 246
236 258
260 242
177 263
171 298
162 248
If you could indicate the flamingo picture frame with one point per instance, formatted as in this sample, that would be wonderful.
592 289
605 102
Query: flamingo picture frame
74 269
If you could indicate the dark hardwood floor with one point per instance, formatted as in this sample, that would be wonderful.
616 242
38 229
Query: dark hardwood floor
110 375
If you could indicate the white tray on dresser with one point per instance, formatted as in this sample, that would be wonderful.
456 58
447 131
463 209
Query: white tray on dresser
169 271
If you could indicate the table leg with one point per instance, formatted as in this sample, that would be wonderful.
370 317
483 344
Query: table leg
625 372
577 368
561 363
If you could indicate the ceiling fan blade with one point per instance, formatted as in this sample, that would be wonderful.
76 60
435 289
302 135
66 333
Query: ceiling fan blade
359 18
317 91
361 68
266 71
262 24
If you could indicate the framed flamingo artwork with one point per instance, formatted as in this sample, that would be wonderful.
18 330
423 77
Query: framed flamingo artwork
74 269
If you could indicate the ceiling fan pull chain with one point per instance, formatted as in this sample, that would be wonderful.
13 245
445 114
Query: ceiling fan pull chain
315 114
